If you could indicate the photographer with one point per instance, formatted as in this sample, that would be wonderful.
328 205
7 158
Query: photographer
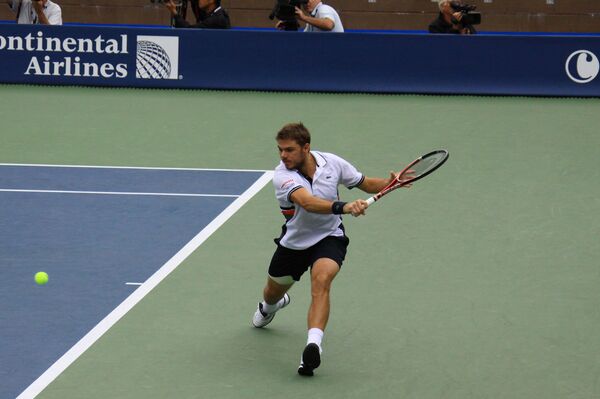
452 19
44 12
209 15
318 17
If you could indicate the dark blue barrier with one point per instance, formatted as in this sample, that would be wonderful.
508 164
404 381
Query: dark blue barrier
294 61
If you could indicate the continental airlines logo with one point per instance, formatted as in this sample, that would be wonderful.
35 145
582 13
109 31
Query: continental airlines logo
156 57
68 56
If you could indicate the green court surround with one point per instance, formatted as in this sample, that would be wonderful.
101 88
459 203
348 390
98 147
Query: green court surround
479 282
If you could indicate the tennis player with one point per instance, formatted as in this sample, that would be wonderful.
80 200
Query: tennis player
306 186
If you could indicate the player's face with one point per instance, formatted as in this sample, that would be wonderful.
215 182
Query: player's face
292 154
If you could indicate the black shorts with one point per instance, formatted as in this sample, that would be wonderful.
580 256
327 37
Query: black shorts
291 262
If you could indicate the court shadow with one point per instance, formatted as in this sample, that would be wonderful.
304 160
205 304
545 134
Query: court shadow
269 352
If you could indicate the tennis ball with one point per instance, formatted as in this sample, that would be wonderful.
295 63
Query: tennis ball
41 278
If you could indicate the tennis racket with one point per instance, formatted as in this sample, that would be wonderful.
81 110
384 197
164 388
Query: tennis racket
417 169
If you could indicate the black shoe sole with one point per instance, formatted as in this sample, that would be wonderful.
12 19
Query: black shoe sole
311 359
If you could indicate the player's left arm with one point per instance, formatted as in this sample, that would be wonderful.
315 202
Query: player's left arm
373 185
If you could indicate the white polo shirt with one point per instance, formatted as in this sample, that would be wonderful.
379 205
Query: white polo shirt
304 229
27 15
325 11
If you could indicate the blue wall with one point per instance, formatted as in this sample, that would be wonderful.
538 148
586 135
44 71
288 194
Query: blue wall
551 65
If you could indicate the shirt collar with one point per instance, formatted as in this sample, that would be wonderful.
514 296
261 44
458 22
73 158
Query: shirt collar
321 161
314 12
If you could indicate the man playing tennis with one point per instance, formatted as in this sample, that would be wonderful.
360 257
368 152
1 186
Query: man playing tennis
306 186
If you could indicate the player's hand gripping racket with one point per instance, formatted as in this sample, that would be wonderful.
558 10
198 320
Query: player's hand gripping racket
415 170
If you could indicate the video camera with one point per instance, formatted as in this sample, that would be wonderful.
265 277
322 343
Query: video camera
468 16
285 11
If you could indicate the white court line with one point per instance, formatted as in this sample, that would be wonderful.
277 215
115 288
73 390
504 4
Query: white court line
133 283
95 333
127 167
16 190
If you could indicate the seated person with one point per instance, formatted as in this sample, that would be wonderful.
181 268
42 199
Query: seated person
209 15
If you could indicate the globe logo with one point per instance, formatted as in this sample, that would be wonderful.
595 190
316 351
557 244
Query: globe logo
582 66
152 61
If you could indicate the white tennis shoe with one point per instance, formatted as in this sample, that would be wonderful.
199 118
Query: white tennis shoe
261 318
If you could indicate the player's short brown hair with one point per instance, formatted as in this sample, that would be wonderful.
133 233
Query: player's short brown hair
294 131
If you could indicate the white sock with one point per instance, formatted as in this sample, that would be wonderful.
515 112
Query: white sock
315 336
272 308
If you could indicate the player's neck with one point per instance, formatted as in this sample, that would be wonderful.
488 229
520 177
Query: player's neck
309 167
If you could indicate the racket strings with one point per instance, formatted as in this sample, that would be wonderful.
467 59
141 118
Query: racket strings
428 163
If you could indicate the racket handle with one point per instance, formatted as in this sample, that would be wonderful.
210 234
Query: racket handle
370 201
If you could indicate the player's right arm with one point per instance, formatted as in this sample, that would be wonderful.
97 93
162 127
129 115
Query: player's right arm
302 197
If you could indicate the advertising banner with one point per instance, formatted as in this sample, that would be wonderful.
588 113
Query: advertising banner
297 61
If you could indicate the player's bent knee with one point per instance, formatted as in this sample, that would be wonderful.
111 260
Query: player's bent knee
321 283
324 274
322 279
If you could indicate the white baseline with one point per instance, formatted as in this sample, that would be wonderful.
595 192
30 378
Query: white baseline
35 165
19 190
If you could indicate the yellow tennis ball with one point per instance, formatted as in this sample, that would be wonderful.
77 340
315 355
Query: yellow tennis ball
41 278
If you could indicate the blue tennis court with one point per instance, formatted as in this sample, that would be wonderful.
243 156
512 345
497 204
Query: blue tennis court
100 233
